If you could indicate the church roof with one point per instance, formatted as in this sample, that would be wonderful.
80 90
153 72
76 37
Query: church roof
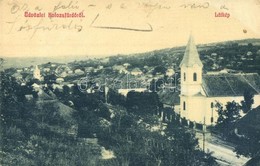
191 55
230 84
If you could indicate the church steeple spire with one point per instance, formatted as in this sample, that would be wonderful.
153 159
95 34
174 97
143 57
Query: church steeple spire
191 70
191 55
37 73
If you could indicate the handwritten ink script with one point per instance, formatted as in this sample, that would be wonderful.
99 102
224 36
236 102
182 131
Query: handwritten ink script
151 7
23 16
204 5
71 16
149 29
34 19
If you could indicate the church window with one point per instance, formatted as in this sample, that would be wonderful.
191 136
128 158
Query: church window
211 105
194 76
184 76
184 105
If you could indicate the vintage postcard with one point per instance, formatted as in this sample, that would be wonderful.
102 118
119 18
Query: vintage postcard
130 83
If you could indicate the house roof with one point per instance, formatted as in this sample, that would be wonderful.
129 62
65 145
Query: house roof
253 161
230 84
169 97
17 75
191 55
129 81
249 124
118 67
136 70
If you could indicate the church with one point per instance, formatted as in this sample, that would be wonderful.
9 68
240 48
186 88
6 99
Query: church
37 74
200 92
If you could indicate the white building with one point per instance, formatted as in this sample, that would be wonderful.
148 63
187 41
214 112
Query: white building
120 69
129 83
200 92
170 72
59 80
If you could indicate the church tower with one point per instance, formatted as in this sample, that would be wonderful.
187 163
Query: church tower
191 98
191 70
37 73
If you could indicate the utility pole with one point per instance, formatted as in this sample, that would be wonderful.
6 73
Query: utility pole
212 105
204 130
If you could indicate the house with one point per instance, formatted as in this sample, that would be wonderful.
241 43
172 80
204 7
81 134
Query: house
170 99
126 65
46 69
169 72
136 71
28 97
19 70
36 87
128 83
249 125
17 76
63 71
255 161
200 92
120 69
57 87
79 72
59 80
88 69
63 74
100 67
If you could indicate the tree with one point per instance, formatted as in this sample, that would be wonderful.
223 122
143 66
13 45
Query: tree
143 103
248 101
87 123
134 143
156 85
103 111
36 133
115 98
257 56
159 70
227 117
49 79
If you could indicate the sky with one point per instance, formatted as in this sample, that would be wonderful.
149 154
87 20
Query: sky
114 27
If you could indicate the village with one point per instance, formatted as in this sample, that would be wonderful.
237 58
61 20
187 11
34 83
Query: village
187 86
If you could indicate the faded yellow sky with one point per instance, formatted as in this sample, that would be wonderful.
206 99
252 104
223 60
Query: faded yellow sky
171 22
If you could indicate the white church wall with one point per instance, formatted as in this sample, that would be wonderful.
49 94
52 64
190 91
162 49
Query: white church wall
199 107
223 100
194 108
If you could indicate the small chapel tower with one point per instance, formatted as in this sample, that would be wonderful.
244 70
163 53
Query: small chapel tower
191 70
37 73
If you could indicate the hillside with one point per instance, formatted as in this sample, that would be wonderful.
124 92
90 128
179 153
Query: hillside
241 55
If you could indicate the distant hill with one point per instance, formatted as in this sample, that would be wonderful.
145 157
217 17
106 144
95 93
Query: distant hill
173 54
20 62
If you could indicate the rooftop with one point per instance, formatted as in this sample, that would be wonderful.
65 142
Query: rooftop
230 84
